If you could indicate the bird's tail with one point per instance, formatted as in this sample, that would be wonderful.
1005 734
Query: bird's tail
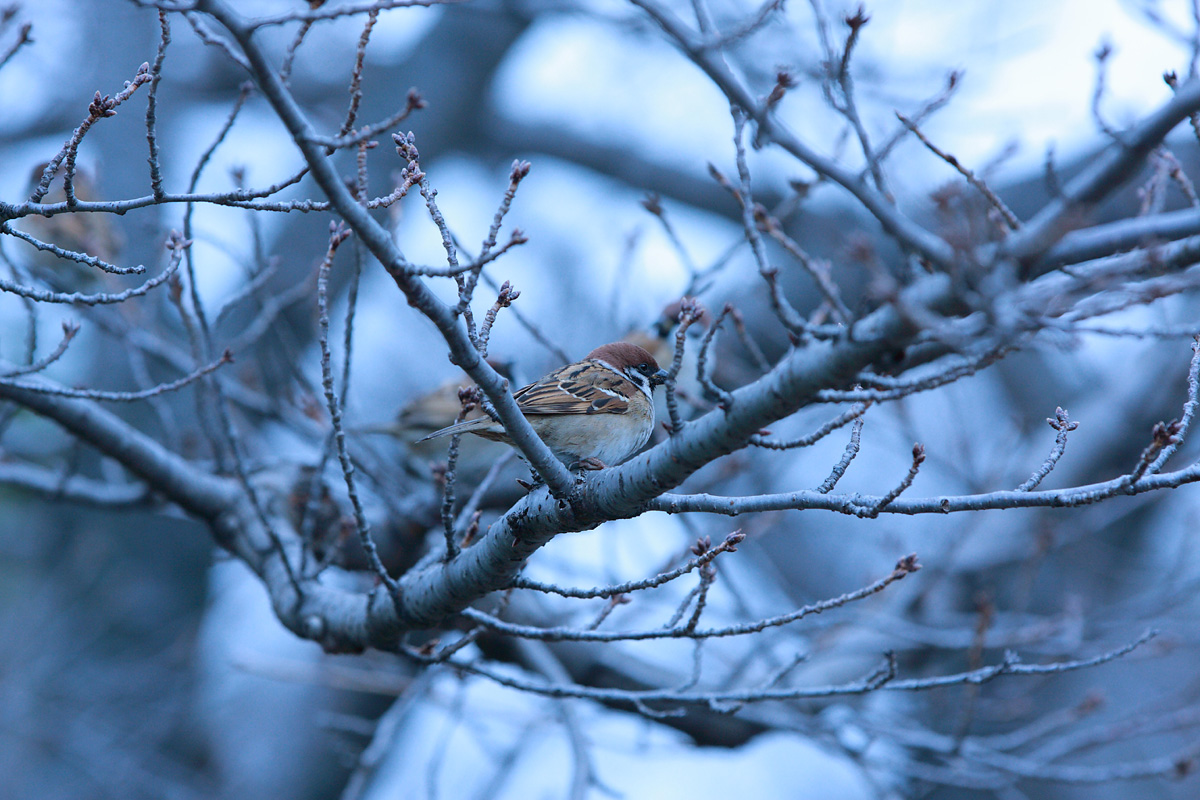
467 426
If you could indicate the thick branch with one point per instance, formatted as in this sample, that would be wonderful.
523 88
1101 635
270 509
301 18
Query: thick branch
847 504
192 489
1111 170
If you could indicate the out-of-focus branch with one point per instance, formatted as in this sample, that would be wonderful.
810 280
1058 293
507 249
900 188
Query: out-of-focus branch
882 678
1122 234
770 128
74 488
1110 171
177 480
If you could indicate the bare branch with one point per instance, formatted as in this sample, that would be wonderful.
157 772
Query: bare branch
69 331
845 418
74 488
337 235
119 397
1063 424
729 545
904 567
839 469
1009 217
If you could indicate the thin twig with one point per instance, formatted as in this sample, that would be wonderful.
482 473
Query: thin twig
978 183
532 328
102 298
360 53
468 399
413 102
756 353
503 300
289 55
848 455
729 545
653 203
1063 424
1189 411
71 255
69 330
788 315
845 418
918 457
202 32
337 235
933 105
101 107
703 368
164 40
689 312
818 269
517 173
23 38
122 397
903 568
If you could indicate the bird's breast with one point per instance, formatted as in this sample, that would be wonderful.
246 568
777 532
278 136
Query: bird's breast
612 438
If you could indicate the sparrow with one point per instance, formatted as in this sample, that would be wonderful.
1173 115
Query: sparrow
432 411
592 414
659 340
435 409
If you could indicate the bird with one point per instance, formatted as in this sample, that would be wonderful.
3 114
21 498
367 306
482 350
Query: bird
592 414
659 340
435 409
432 411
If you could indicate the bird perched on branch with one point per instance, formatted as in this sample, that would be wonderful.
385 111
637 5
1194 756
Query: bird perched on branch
591 414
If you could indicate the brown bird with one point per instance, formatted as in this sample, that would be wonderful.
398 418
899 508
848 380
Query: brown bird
591 414
432 411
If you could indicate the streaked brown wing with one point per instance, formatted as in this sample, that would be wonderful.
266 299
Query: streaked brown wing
577 389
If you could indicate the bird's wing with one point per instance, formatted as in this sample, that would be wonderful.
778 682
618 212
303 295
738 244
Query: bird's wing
584 388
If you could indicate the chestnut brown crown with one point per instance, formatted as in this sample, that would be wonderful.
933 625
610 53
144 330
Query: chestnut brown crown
623 355
629 357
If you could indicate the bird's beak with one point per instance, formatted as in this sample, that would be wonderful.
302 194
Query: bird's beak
659 378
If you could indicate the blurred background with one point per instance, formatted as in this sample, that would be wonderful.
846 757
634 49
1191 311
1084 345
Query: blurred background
138 661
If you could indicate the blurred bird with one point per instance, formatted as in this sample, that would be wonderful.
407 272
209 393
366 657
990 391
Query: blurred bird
434 410
659 340
91 233
591 414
